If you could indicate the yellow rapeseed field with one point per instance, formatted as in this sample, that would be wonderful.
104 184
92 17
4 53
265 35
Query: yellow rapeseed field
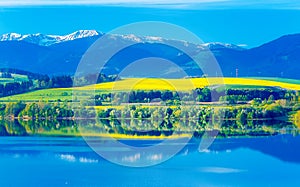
184 84
148 84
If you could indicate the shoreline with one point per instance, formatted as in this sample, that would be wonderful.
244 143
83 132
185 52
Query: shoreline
145 137
114 136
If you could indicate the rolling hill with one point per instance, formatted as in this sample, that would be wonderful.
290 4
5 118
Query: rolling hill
129 84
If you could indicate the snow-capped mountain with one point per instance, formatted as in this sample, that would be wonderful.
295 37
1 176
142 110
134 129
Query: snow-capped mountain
219 45
11 36
81 34
47 40
154 39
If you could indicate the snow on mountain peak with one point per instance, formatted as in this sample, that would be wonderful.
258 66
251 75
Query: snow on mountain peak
219 45
81 34
10 36
132 37
154 38
47 40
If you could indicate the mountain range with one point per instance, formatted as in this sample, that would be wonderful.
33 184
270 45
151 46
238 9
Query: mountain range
47 40
55 54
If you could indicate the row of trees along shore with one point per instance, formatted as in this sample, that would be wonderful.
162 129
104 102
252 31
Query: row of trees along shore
229 96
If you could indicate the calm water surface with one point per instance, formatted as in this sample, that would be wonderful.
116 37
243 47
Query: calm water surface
261 161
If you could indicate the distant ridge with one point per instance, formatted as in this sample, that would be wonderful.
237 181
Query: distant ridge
61 54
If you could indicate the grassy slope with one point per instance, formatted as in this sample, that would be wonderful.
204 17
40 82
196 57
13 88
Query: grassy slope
154 84
15 78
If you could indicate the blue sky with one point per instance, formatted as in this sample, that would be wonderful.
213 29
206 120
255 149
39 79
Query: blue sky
232 21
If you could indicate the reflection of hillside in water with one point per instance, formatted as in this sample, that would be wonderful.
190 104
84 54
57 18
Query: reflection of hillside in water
283 147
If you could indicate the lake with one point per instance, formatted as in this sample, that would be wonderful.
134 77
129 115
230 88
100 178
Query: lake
60 161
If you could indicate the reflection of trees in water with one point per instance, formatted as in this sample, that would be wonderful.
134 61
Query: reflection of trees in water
167 127
12 127
36 126
151 127
3 131
26 127
297 119
136 127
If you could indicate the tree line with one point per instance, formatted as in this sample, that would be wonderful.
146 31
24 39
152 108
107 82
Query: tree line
49 111
231 96
12 88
